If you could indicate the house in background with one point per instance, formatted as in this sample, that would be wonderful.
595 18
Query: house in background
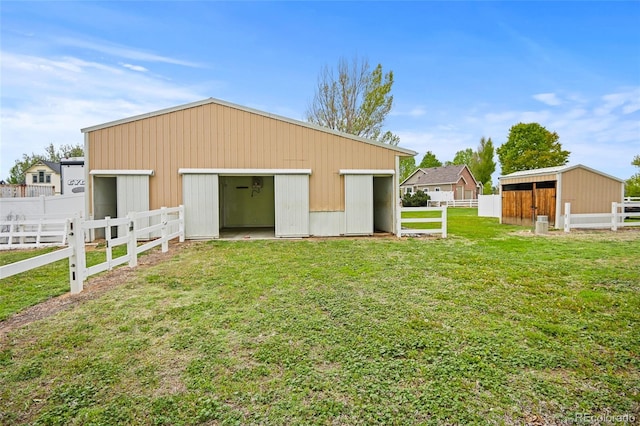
237 167
530 193
44 173
454 178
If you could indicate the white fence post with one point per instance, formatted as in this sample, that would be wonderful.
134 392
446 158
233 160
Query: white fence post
181 223
614 216
567 217
77 261
164 231
132 244
107 239
444 222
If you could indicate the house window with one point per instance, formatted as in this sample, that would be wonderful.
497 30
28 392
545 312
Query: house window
425 190
41 176
408 190
47 178
437 189
34 178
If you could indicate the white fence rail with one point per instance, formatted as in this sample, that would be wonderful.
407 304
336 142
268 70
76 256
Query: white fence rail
613 220
171 226
406 230
33 233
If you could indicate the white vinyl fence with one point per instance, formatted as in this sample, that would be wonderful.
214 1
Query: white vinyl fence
490 205
33 233
29 207
407 230
170 226
617 218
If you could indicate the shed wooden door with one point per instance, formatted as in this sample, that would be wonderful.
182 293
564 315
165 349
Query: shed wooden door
200 196
358 205
522 203
292 205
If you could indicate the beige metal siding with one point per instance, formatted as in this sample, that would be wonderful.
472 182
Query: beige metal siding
220 136
589 192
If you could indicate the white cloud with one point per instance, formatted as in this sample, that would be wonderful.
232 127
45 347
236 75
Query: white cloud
550 99
123 51
49 99
138 68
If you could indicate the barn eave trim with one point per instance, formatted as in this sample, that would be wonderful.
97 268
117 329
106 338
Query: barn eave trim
244 172
122 172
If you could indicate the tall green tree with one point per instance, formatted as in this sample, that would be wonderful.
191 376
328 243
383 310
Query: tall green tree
51 153
354 99
430 160
632 188
407 166
464 156
483 165
531 146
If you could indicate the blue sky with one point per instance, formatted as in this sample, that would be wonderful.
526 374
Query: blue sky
462 70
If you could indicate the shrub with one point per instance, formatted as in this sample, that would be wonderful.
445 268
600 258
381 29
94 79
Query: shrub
417 199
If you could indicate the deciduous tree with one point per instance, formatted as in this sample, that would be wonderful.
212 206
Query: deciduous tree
632 188
354 99
531 146
407 166
430 160
462 157
483 165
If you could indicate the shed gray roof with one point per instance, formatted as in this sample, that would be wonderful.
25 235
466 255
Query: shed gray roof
435 175
557 169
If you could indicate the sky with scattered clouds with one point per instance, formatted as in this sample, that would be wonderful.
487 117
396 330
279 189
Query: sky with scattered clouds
462 70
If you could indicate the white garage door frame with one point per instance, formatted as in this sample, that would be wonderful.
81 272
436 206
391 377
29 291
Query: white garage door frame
291 195
358 202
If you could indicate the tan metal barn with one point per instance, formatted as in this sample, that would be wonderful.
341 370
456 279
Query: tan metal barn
531 193
236 167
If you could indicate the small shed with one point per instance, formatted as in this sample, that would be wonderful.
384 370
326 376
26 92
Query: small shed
457 179
530 193
236 167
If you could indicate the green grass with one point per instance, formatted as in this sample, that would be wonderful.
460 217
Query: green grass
489 326
37 285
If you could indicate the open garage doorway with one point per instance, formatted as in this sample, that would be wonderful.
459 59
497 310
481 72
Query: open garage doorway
247 207
383 203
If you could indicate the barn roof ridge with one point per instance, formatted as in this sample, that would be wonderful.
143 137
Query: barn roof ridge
212 100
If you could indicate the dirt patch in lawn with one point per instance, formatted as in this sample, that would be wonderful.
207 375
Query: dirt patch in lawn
93 288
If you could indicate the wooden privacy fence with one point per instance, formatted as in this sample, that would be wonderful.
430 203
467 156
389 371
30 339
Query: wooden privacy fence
613 220
441 219
170 226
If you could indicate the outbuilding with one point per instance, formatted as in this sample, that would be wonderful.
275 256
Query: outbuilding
531 193
237 167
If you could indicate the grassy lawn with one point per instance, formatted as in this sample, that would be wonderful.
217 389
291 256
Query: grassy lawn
489 326
37 285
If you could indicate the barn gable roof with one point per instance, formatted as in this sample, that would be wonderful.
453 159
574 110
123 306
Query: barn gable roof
437 175
557 169
406 152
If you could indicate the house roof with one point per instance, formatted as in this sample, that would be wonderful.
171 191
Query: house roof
557 169
406 152
50 164
437 175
